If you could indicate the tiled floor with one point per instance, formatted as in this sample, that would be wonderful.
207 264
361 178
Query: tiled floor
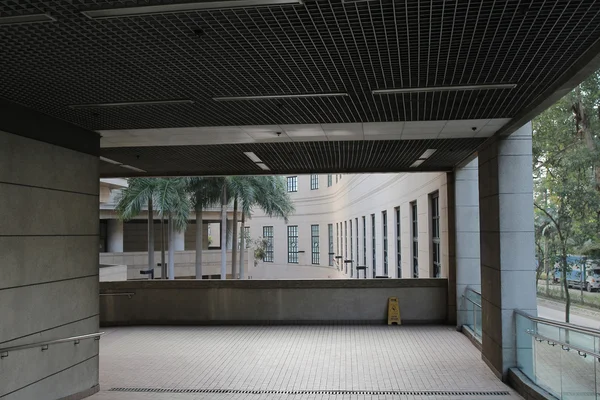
293 358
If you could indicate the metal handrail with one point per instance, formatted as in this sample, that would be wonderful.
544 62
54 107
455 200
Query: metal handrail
572 327
472 301
118 294
564 344
44 345
474 291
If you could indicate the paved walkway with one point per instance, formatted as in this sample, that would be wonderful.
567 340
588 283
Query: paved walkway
294 362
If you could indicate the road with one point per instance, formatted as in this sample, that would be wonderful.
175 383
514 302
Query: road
556 311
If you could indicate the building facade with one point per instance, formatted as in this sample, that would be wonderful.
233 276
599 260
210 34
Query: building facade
364 225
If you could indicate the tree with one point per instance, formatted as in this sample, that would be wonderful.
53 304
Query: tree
566 195
171 199
131 201
204 192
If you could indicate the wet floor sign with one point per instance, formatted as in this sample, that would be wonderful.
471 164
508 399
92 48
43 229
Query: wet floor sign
393 311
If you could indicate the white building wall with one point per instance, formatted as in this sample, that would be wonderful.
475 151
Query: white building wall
355 196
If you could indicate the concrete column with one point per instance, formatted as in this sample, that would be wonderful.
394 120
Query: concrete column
115 236
507 244
179 241
49 234
468 268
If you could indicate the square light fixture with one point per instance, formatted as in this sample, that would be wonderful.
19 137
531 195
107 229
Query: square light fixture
417 163
427 154
132 168
185 7
108 160
252 156
263 166
26 19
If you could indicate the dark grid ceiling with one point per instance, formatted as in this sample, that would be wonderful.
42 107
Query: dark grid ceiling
295 158
319 47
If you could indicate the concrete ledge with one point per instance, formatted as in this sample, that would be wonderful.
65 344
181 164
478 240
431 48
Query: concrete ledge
525 387
254 302
83 394
110 287
468 332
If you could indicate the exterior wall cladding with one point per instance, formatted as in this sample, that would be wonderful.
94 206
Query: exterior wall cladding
344 201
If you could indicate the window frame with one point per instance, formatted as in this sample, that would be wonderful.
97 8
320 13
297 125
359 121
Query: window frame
414 217
314 240
329 180
269 250
385 242
292 184
314 181
330 239
436 257
374 249
292 237
398 217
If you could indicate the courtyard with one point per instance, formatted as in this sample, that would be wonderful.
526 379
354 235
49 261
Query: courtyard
293 362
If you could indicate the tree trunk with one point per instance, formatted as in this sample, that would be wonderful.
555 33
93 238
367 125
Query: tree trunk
171 249
242 245
163 265
224 232
150 236
234 242
199 240
546 265
565 284
584 131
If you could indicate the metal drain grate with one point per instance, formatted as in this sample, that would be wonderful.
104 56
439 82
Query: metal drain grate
297 392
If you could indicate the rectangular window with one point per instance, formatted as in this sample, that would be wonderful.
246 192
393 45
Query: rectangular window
351 252
329 180
292 183
314 243
268 235
345 245
374 254
357 245
337 239
330 234
336 178
435 235
293 244
398 243
364 221
314 182
415 238
385 243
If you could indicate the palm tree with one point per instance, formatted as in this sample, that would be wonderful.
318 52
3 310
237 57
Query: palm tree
266 192
131 201
243 191
171 198
205 192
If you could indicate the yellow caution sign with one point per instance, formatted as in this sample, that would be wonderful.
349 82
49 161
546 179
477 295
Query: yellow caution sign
393 311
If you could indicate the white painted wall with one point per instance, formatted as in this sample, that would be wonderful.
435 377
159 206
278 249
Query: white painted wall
355 196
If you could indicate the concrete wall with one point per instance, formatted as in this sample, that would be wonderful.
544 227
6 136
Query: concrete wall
184 262
49 270
355 196
268 301
270 271
112 273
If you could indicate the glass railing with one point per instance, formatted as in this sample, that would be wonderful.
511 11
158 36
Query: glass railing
562 358
472 300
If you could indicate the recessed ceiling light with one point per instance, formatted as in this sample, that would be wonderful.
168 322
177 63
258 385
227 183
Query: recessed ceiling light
427 154
132 168
279 96
263 166
131 103
446 88
108 160
26 19
252 156
417 163
186 7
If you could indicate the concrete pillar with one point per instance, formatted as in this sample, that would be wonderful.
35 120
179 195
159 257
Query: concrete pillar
507 244
468 267
49 234
115 236
179 241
